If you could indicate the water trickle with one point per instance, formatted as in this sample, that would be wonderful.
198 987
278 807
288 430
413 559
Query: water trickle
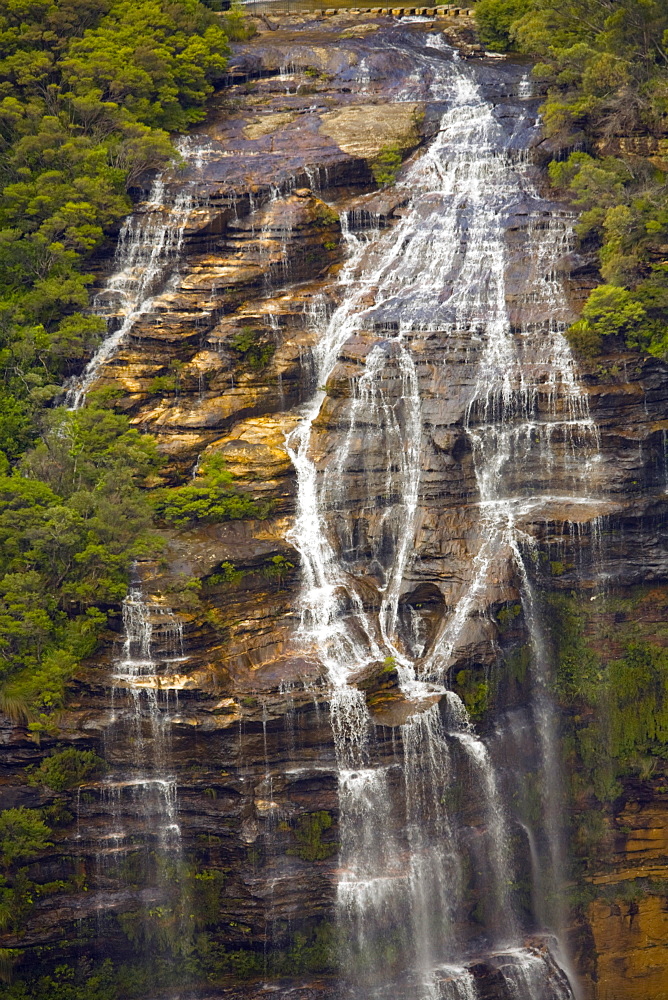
452 983
435 864
153 642
147 256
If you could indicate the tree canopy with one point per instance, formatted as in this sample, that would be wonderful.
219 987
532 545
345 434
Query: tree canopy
89 92
604 67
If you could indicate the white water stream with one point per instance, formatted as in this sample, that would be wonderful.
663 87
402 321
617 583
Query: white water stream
152 644
443 268
147 253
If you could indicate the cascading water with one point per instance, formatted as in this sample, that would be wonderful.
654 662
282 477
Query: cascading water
441 271
147 253
140 805
137 836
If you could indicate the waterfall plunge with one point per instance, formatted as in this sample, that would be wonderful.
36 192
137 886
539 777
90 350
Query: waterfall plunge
441 268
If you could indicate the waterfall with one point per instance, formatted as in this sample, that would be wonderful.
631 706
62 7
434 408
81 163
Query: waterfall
147 255
139 799
408 865
153 639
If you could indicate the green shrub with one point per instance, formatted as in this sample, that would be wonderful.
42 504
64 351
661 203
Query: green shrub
207 504
636 697
584 339
507 615
71 523
68 768
617 708
594 183
245 964
226 575
612 311
162 384
578 674
386 165
315 951
211 498
518 662
309 837
278 568
23 835
474 693
608 312
56 813
495 18
234 22
242 341
254 350
324 216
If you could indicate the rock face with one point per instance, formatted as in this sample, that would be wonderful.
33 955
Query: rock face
221 362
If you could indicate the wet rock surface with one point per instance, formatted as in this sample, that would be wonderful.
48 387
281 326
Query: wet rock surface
289 146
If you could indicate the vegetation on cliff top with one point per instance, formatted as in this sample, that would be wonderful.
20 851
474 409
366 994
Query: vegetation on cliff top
605 69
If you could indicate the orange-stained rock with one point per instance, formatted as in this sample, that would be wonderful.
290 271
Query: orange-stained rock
365 129
631 945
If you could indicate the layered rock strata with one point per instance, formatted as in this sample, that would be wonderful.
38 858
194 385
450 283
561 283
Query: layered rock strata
284 172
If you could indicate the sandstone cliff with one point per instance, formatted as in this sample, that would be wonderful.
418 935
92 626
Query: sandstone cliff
219 365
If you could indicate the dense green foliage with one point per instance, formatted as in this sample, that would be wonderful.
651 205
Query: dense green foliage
207 960
474 691
212 497
278 568
386 165
90 90
495 19
23 834
617 705
310 845
67 769
605 69
72 517
254 350
226 575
